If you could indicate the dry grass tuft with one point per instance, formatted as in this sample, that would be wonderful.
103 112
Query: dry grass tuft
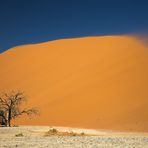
55 132
19 135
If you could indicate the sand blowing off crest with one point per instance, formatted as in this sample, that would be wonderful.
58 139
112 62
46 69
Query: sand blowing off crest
93 82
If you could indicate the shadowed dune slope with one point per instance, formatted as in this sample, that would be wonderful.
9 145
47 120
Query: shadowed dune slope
92 82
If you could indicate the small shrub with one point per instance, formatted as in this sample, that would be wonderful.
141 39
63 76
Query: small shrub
73 134
19 135
53 130
82 134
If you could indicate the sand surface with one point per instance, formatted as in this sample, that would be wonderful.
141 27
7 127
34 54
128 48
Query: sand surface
93 82
34 136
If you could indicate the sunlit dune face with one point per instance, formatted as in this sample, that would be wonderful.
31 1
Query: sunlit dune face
93 82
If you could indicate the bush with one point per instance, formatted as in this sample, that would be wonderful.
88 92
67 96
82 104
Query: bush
53 130
82 134
19 135
73 134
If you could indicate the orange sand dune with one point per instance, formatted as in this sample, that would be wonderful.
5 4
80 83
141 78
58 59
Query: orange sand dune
93 82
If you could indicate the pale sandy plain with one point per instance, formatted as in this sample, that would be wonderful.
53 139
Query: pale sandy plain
34 136
92 82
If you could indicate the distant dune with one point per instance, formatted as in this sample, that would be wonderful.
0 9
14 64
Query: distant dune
92 82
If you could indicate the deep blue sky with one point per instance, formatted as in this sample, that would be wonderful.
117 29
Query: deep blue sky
33 21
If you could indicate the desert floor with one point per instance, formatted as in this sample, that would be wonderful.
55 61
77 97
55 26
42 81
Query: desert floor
34 136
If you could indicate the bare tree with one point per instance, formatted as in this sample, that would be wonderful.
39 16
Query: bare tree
3 119
10 106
